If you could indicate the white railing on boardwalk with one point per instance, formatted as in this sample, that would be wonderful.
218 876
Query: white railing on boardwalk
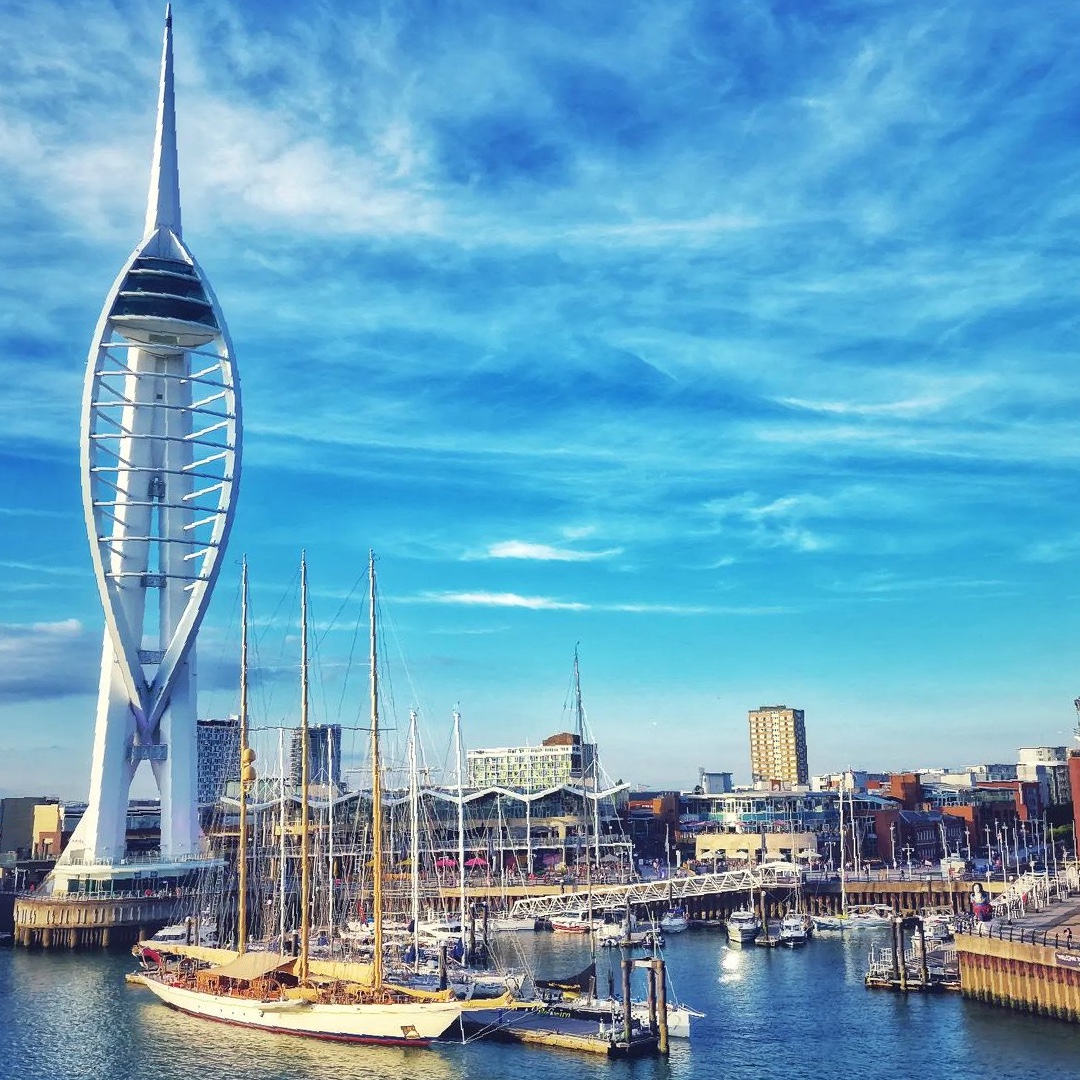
1029 892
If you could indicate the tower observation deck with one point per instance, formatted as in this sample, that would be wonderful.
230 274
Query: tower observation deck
160 454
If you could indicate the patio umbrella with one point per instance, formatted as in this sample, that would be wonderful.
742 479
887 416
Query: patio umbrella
445 861
550 860
476 861
609 858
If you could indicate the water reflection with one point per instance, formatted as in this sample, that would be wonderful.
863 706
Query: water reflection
770 1013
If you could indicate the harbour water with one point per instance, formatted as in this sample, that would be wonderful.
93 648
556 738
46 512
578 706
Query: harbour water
800 1015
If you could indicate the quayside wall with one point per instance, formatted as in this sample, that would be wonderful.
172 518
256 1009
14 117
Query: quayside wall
66 923
1036 972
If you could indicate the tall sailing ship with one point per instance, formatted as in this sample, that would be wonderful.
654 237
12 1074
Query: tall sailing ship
295 994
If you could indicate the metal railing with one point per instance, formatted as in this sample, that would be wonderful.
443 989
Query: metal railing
615 897
1020 935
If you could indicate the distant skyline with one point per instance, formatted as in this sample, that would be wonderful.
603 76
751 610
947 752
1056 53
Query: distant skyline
735 344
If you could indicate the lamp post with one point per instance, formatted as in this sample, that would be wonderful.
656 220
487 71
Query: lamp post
892 841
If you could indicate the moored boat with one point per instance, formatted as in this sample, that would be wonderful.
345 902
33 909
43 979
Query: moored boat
743 927
793 930
674 921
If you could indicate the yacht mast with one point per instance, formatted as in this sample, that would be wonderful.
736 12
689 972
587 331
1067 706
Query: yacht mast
843 863
305 779
331 794
283 861
460 821
414 835
247 769
376 792
580 713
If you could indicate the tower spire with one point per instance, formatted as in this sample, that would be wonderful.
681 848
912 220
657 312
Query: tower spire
163 205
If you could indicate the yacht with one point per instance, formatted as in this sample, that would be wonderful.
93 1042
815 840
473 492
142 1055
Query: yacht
793 930
743 927
674 921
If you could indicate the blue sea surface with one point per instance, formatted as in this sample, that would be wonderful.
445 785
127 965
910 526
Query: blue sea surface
801 1015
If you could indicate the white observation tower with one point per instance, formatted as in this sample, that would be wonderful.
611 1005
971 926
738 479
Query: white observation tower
160 448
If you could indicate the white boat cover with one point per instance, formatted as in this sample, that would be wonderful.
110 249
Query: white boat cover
253 965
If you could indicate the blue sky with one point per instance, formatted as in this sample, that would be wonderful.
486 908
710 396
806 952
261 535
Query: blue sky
736 342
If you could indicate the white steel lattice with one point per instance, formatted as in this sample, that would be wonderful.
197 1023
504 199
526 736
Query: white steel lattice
161 460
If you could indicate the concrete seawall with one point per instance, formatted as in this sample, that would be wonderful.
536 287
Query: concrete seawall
99 922
1034 978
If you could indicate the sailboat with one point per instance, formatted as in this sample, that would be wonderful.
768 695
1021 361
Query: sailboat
837 922
865 916
674 920
345 1002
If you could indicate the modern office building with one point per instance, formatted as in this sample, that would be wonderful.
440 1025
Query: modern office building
218 757
558 760
1049 767
324 755
778 745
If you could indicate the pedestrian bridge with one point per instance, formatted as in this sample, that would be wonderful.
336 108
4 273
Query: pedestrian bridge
675 889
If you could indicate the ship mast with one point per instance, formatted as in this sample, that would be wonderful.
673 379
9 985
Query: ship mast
414 838
580 717
376 792
305 779
460 824
247 769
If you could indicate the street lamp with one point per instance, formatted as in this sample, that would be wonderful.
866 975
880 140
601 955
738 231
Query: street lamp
892 841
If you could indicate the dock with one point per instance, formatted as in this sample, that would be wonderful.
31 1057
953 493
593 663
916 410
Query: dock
612 1031
549 1026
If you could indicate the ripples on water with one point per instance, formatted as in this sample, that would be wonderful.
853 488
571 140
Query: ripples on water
800 1015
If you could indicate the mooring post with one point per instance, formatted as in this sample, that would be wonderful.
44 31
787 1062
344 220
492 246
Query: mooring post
900 953
627 967
650 993
661 1004
924 967
896 958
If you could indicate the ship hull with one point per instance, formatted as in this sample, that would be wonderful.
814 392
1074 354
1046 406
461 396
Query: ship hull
396 1024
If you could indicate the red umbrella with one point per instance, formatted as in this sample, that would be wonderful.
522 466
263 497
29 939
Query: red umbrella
476 860
446 861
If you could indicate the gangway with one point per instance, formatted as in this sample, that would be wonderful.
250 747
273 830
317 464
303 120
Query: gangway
674 889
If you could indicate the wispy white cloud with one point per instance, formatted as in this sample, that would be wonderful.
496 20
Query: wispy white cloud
763 303
1054 549
520 549
43 568
502 600
546 603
